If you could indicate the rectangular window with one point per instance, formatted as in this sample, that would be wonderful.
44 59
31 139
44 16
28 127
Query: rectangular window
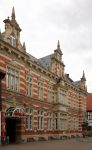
12 79
29 85
63 98
63 121
50 93
40 120
13 41
29 119
40 90
49 121
56 121
89 115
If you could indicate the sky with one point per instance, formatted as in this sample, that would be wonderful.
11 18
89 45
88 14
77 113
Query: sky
44 22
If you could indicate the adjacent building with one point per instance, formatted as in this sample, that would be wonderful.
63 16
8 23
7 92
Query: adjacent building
89 110
39 100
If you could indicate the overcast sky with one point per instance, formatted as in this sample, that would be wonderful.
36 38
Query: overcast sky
44 22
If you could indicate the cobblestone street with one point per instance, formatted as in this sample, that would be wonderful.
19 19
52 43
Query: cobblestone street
71 144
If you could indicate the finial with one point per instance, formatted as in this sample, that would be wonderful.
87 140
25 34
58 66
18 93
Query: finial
13 14
24 46
83 76
58 45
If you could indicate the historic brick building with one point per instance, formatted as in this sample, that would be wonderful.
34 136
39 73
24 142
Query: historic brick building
39 99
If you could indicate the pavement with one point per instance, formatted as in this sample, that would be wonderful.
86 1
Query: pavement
70 144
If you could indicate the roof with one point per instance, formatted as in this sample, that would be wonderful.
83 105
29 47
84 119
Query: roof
89 101
76 83
45 61
35 60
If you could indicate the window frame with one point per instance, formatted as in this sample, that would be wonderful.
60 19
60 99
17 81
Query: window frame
29 85
13 41
49 121
29 118
40 89
40 120
12 79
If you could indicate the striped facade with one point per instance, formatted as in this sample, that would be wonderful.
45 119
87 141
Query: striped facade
40 101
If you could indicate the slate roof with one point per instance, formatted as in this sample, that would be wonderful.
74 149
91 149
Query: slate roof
37 61
45 61
76 83
69 80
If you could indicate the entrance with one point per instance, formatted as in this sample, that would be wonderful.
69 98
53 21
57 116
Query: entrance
11 129
13 120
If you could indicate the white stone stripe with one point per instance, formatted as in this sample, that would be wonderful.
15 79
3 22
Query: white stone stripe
34 73
35 93
3 81
21 88
21 82
5 57
37 106
45 78
22 70
2 61
20 64
3 97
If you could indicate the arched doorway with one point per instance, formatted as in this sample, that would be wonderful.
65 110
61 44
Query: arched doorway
13 117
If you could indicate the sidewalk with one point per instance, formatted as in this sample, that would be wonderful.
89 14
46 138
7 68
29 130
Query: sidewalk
71 144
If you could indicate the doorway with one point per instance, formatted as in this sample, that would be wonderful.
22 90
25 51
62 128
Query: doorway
11 129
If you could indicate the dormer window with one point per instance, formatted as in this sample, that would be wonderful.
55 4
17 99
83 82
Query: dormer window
58 57
13 41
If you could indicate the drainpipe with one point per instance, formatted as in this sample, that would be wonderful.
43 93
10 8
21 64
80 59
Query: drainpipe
2 75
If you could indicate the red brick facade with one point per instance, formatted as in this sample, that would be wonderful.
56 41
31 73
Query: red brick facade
53 104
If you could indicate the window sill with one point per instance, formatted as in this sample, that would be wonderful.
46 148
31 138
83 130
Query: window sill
29 129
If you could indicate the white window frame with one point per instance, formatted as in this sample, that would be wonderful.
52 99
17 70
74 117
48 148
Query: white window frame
63 121
40 89
63 98
50 93
29 85
12 78
40 120
13 41
49 121
29 118
55 121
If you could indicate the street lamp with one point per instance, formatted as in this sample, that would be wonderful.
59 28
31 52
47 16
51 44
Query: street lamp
2 75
